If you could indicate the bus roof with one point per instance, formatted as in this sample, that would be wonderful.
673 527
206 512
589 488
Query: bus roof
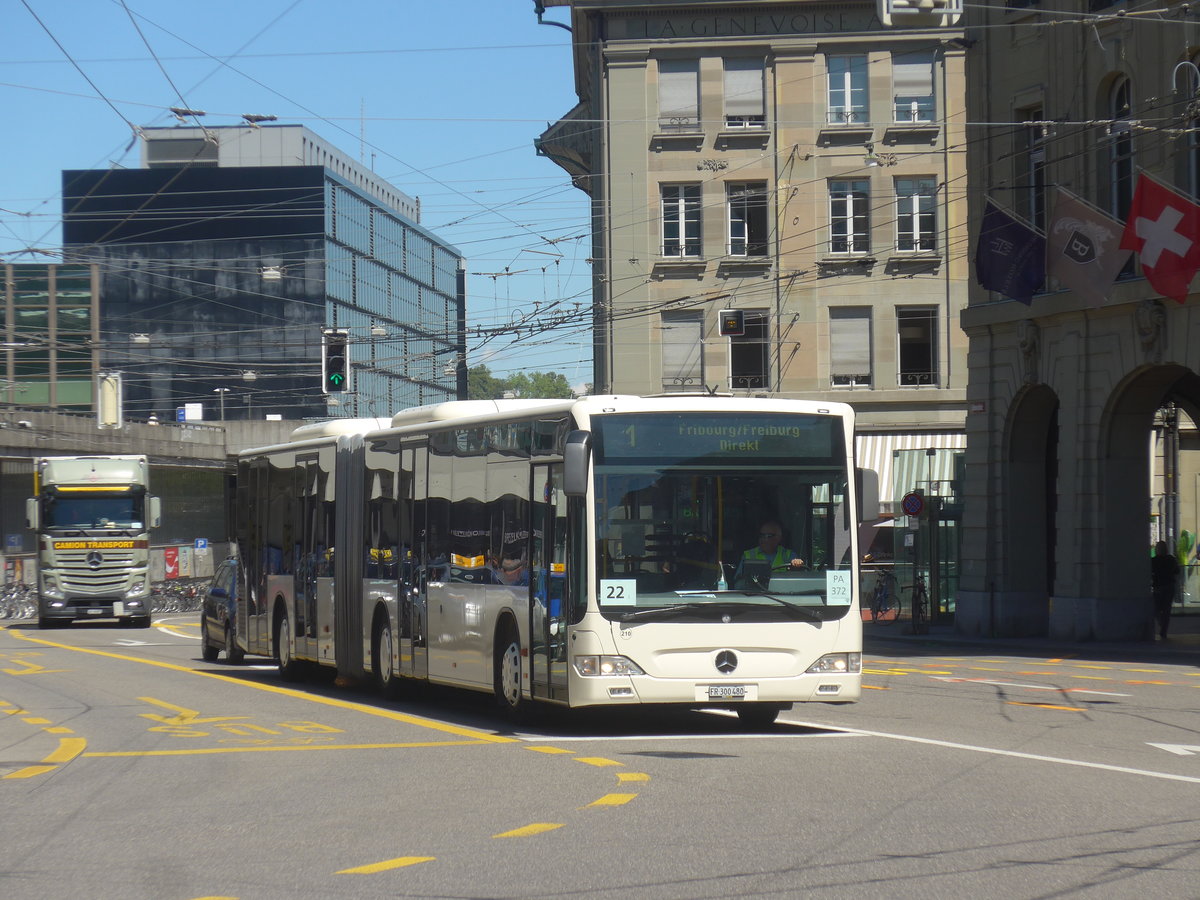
333 427
463 409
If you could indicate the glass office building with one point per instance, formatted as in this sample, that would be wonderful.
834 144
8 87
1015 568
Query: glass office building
49 332
224 257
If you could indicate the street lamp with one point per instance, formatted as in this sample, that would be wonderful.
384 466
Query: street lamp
221 392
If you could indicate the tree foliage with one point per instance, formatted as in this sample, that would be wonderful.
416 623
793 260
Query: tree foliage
483 385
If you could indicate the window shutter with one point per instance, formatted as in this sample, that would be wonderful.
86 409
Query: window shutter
743 87
682 361
912 74
850 342
678 89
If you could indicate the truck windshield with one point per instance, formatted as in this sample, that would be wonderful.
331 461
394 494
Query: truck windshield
702 515
94 510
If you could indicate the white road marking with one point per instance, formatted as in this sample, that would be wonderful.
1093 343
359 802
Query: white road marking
1178 749
1013 754
1028 687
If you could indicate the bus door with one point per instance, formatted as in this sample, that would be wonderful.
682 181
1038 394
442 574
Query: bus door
547 619
412 601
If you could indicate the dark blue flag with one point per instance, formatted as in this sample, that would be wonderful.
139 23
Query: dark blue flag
1011 256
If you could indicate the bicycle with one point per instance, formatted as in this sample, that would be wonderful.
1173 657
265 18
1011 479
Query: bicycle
920 604
883 597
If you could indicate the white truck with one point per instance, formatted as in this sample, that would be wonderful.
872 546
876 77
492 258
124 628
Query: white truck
92 516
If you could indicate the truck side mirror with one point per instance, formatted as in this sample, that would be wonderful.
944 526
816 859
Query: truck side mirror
576 455
155 512
32 513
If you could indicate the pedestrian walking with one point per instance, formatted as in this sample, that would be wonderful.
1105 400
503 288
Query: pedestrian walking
1164 581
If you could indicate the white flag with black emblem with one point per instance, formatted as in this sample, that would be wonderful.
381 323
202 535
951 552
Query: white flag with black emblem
1083 247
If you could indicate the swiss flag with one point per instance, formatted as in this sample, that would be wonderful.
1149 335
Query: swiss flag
1164 228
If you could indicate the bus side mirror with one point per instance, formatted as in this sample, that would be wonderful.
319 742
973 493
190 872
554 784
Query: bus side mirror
867 486
31 513
155 512
576 455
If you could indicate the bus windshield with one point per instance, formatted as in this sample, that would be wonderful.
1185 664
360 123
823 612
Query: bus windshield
702 515
122 510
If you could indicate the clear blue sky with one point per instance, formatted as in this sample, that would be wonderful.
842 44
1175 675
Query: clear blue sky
444 99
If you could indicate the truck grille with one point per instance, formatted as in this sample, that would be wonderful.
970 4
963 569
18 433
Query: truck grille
77 576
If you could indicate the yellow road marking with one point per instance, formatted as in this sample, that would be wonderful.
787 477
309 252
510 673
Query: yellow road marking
632 776
398 863
30 772
31 668
597 761
36 720
58 729
529 830
875 687
1091 677
613 800
203 751
286 692
183 715
1147 682
1047 706
548 750
68 749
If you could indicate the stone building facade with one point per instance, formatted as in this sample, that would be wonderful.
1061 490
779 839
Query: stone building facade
1081 414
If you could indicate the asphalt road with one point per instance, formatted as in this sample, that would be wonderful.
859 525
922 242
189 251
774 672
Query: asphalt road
129 768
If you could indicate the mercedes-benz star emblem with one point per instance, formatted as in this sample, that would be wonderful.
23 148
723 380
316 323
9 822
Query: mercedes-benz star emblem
726 661
95 560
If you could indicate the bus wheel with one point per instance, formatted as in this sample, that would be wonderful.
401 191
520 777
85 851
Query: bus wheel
289 668
381 657
758 716
507 674
233 653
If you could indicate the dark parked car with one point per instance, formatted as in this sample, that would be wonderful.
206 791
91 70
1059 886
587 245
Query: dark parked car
218 616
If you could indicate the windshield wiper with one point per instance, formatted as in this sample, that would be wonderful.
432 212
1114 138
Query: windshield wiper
806 611
676 609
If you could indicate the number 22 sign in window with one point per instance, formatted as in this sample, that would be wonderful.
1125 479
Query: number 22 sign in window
618 592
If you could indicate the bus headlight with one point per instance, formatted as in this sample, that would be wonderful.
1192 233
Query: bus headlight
837 664
607 665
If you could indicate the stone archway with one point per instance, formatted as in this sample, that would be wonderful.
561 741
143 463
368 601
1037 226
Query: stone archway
1116 555
1028 564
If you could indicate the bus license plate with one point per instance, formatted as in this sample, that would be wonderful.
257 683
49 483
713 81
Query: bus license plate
726 692
95 612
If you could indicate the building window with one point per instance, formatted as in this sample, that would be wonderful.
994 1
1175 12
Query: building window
1187 93
744 107
678 95
682 350
916 214
850 346
747 218
848 90
748 353
1120 156
680 220
1031 196
850 216
912 86
1120 149
916 335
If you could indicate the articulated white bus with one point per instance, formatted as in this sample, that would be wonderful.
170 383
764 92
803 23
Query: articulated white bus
600 551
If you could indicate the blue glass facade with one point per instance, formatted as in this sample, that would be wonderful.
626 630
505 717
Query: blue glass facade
182 255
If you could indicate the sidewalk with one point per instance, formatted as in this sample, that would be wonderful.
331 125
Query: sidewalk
1182 646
